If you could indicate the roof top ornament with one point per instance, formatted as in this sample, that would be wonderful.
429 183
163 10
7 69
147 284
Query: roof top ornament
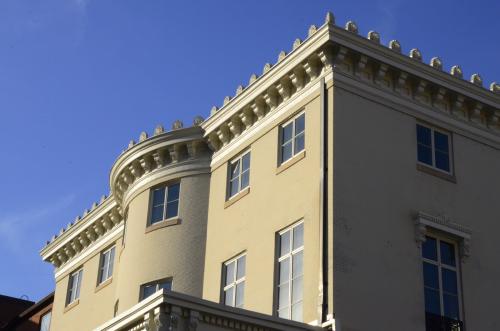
213 110
351 26
177 125
374 36
239 89
495 87
329 19
143 136
226 100
103 198
159 129
476 80
281 56
131 143
267 67
415 54
436 63
297 43
253 78
197 120
456 71
312 30
395 45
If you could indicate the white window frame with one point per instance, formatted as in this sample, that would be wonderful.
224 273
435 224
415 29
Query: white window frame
290 256
433 148
236 281
441 266
74 287
281 142
165 203
239 159
104 270
157 286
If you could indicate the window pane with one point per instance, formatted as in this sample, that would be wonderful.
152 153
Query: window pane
429 249
284 271
158 196
286 151
240 293
78 284
173 209
450 303
240 273
424 154
111 262
431 278
300 124
297 312
298 236
441 142
286 133
245 162
45 323
297 264
148 290
449 278
285 243
284 295
299 143
166 285
432 302
284 313
235 170
173 192
423 135
297 290
157 214
245 179
447 253
234 186
228 296
230 273
442 161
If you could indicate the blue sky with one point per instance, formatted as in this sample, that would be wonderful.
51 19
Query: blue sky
80 78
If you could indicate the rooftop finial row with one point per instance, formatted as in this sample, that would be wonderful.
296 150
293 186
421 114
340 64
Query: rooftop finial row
373 36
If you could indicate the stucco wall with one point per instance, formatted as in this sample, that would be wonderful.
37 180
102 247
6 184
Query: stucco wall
378 268
275 201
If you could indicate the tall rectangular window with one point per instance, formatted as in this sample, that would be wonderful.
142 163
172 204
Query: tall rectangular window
291 272
441 284
234 282
74 284
239 174
149 289
164 203
292 137
45 321
106 265
434 148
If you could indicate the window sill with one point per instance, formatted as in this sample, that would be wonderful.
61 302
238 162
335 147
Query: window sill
103 284
235 198
163 224
431 171
290 162
71 305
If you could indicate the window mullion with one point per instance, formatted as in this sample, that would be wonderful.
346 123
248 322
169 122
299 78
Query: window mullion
440 278
433 149
165 199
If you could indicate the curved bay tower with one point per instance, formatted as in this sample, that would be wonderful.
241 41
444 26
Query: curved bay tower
348 187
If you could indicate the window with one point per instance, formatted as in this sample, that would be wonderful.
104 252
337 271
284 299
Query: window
434 148
165 203
239 174
441 284
75 281
106 265
291 272
45 322
151 288
292 137
234 282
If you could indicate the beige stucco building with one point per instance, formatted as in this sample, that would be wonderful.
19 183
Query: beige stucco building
348 187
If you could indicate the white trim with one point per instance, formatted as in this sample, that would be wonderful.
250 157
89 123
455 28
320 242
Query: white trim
236 281
292 139
239 159
106 267
88 251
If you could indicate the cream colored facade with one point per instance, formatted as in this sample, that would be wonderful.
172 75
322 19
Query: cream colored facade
365 202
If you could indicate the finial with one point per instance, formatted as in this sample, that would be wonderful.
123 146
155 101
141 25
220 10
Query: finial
415 54
177 125
85 212
330 19
253 78
94 206
374 36
395 45
226 100
103 198
297 43
61 231
159 129
197 120
267 67
351 27
78 218
239 89
436 63
213 110
281 56
456 71
143 136
68 225
131 144
312 30
495 87
476 80
53 237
